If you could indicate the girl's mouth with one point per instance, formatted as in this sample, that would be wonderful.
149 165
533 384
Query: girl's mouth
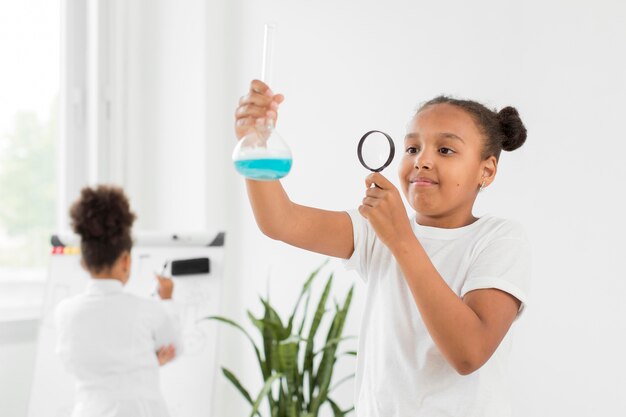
422 182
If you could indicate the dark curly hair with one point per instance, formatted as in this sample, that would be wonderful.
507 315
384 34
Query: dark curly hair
102 218
502 129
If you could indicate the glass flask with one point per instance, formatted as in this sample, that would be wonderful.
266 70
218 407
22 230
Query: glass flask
262 154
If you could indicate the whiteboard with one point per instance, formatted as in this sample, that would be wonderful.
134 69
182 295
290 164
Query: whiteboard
188 382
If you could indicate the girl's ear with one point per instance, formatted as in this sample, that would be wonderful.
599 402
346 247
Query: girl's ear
489 170
126 261
83 264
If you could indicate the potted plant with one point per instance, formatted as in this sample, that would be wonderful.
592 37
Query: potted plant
296 374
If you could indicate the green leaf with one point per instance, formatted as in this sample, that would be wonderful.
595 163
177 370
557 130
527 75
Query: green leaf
341 381
336 410
233 379
288 357
317 318
325 369
288 366
265 391
282 402
306 313
306 288
237 326
333 343
257 322
272 319
269 348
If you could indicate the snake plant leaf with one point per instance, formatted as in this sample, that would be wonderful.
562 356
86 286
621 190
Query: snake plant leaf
233 379
333 343
258 323
268 332
282 402
337 412
306 288
306 313
287 354
325 370
237 326
296 379
264 391
272 319
271 355
341 381
317 318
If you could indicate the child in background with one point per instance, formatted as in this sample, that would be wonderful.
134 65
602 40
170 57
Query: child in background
443 286
111 341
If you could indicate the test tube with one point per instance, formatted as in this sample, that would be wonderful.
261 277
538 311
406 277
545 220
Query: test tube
268 54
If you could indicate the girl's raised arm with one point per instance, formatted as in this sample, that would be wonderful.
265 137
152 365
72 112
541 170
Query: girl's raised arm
321 231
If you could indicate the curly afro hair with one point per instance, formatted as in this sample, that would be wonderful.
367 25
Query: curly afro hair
102 218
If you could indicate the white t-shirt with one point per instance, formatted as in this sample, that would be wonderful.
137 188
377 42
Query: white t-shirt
400 371
108 340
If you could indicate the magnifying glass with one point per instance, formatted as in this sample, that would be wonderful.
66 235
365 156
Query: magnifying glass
376 150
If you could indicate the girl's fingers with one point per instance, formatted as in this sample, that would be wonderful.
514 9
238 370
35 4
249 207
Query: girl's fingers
260 87
364 210
246 121
256 99
256 108
375 192
250 110
379 180
278 98
166 354
370 202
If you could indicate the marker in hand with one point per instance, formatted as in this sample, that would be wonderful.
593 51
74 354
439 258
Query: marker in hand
165 286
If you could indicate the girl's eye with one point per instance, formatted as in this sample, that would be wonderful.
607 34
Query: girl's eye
446 151
411 149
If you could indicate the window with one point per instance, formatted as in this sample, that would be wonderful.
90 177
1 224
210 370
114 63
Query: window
29 90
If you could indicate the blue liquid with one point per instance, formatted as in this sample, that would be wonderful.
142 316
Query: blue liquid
263 169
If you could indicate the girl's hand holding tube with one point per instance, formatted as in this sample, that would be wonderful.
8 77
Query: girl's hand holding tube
256 107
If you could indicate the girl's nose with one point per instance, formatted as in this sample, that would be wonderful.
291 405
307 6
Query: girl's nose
423 161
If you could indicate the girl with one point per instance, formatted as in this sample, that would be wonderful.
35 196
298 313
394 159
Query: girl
111 341
443 287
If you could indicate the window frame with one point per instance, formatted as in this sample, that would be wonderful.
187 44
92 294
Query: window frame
92 123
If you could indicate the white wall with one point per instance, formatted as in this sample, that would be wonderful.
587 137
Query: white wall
347 67
167 124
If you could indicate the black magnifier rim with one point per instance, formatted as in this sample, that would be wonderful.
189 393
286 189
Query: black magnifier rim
392 151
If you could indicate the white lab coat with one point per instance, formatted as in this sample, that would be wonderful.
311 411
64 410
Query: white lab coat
108 340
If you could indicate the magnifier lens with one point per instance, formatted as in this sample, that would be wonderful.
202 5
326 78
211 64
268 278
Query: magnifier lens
375 151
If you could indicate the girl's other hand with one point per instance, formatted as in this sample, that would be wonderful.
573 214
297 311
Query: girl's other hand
166 287
382 206
256 107
166 354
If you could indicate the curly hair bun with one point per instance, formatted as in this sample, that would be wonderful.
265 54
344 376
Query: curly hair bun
102 214
513 129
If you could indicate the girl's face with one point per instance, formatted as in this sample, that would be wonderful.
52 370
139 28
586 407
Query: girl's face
441 170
